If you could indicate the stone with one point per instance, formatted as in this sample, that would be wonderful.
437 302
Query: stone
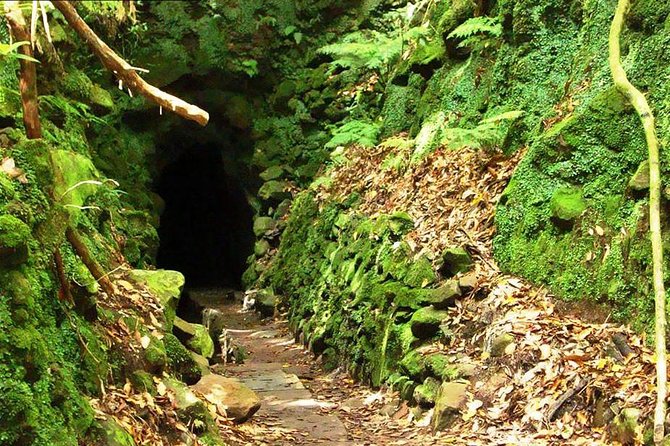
14 237
167 285
567 204
262 225
238 400
202 362
640 179
455 260
181 361
468 281
196 336
274 190
624 427
142 381
261 248
425 394
155 355
450 399
425 322
498 344
188 406
272 173
420 274
283 209
266 302
445 296
110 433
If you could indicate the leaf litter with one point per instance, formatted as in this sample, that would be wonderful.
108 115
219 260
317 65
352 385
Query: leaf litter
562 379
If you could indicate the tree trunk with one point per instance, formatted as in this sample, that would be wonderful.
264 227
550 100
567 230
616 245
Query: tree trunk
28 74
124 71
641 105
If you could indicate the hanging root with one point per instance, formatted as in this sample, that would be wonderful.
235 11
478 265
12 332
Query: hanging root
641 105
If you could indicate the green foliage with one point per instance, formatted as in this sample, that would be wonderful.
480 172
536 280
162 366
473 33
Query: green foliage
373 50
10 51
354 132
477 32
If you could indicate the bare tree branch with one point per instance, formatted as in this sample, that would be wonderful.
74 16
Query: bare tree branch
28 75
125 71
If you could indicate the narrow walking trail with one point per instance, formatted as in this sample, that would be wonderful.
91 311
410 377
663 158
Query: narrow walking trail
301 403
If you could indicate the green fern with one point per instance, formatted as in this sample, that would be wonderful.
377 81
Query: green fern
488 134
354 132
477 32
372 50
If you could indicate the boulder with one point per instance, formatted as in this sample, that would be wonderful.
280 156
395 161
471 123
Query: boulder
261 248
425 394
451 398
425 322
272 173
274 190
263 225
455 260
640 179
202 363
196 336
109 433
188 406
230 395
266 302
14 237
181 361
445 296
498 343
166 285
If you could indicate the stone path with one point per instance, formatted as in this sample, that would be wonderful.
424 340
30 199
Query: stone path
272 370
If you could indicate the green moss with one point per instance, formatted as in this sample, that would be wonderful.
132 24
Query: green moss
180 361
567 204
155 354
166 285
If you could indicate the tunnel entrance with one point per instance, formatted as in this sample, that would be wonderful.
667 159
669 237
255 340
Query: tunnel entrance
206 226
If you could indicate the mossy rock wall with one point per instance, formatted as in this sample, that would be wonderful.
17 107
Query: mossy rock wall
351 286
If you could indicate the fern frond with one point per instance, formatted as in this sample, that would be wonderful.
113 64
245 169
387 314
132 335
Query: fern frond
477 25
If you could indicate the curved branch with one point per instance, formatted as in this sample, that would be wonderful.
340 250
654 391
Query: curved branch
125 71
28 76
641 105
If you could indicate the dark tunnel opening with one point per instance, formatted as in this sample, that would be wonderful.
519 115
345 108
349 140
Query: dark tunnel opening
206 226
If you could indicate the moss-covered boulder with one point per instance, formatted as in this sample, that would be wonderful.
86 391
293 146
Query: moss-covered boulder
420 273
640 179
166 285
274 190
262 225
455 260
14 238
181 362
261 248
266 302
73 173
426 321
567 204
196 336
425 393
155 354
188 406
443 297
107 432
